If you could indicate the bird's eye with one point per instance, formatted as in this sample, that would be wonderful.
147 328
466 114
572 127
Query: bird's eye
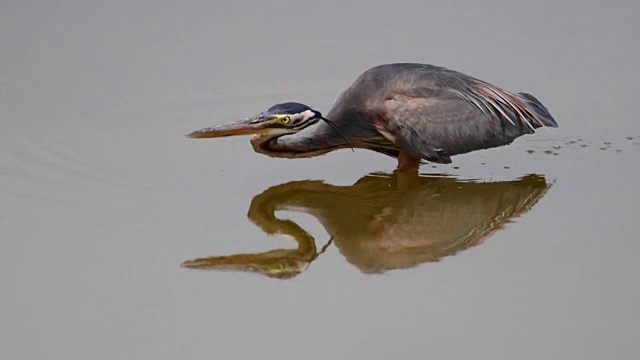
285 120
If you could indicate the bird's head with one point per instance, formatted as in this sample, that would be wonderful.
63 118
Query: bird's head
280 119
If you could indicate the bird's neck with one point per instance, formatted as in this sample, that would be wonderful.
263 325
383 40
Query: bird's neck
312 141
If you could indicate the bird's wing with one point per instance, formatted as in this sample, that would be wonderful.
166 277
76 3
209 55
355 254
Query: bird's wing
435 127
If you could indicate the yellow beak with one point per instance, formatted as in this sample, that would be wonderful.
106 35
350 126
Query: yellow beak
242 127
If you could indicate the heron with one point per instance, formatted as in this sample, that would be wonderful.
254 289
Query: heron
412 112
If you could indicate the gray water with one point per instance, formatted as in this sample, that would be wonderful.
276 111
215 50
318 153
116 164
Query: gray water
103 198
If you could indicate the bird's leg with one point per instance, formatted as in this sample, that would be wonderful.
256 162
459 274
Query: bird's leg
407 163
407 171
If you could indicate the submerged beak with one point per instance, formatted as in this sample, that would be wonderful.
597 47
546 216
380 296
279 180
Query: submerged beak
254 125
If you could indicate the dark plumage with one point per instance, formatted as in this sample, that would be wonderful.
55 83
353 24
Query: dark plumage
288 108
410 111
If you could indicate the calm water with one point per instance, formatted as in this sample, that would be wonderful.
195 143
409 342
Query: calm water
527 251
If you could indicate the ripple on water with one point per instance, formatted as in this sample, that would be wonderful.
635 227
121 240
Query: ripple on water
47 169
73 156
580 143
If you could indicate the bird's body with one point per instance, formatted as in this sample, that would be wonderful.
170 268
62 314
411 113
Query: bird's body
408 111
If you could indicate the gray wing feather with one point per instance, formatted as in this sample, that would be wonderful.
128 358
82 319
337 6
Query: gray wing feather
436 128
433 113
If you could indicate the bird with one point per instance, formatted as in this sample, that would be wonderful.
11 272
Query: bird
378 224
410 111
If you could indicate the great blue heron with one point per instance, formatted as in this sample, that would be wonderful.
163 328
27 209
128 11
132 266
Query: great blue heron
408 111
380 223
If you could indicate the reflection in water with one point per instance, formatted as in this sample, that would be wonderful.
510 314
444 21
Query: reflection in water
382 222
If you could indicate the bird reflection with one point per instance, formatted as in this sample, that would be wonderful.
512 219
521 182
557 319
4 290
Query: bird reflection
383 221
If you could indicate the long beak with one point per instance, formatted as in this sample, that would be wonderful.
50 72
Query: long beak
242 127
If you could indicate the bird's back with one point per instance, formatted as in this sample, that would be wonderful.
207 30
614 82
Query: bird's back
433 112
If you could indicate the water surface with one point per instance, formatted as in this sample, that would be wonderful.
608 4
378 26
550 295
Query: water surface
528 251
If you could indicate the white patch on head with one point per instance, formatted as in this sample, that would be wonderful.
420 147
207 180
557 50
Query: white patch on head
302 117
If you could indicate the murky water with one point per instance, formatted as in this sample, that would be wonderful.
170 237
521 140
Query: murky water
526 251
